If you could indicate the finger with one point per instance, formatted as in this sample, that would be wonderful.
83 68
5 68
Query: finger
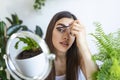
77 27
74 22
74 26
74 33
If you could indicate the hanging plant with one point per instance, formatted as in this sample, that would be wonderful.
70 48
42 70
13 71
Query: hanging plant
38 4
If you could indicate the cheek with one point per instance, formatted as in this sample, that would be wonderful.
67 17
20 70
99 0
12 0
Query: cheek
55 37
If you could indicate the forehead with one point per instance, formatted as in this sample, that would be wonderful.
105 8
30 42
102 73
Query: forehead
65 21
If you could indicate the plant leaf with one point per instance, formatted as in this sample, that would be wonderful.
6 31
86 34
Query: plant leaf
2 28
38 31
16 45
13 29
9 20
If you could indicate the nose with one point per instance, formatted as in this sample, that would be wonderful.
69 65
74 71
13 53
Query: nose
66 34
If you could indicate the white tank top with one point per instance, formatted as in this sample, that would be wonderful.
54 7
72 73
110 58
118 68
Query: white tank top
80 76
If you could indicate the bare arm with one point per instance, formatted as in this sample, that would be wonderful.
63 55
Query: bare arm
88 66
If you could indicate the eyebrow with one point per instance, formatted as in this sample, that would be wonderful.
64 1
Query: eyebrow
63 26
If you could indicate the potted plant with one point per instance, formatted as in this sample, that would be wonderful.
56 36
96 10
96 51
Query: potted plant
28 56
5 33
33 60
109 54
30 50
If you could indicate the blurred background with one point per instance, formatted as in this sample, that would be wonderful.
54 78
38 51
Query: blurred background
106 12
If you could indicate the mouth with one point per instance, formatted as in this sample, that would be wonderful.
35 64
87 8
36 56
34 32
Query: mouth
64 44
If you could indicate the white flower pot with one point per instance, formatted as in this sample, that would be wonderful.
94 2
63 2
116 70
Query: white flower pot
34 66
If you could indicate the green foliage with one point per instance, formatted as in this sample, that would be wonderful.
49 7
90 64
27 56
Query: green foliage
2 28
39 31
2 49
15 19
109 53
38 4
31 44
16 25
5 33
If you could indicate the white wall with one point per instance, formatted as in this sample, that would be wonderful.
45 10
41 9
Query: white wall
106 12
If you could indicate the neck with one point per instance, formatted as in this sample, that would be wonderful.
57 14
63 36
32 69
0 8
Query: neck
60 64
60 56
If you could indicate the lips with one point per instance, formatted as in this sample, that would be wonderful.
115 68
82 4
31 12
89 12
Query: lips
64 43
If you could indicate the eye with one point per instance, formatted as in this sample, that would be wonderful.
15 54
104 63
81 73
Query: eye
61 29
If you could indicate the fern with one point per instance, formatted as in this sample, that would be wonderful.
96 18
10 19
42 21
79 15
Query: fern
109 53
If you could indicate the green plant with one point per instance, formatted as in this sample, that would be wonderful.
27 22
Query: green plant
31 48
31 44
109 53
38 4
5 33
16 24
15 20
2 50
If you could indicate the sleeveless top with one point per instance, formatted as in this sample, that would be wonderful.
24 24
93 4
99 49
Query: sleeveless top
80 76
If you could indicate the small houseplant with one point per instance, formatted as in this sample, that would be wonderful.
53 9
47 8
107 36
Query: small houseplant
109 54
30 50
29 55
34 56
5 33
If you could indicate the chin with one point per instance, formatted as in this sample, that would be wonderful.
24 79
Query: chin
63 50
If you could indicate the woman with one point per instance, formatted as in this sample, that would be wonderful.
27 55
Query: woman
67 40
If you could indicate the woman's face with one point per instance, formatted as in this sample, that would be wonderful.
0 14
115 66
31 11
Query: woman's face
61 37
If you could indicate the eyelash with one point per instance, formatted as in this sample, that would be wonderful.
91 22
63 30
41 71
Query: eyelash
61 29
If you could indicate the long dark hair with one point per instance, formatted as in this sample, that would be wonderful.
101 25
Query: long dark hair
72 55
